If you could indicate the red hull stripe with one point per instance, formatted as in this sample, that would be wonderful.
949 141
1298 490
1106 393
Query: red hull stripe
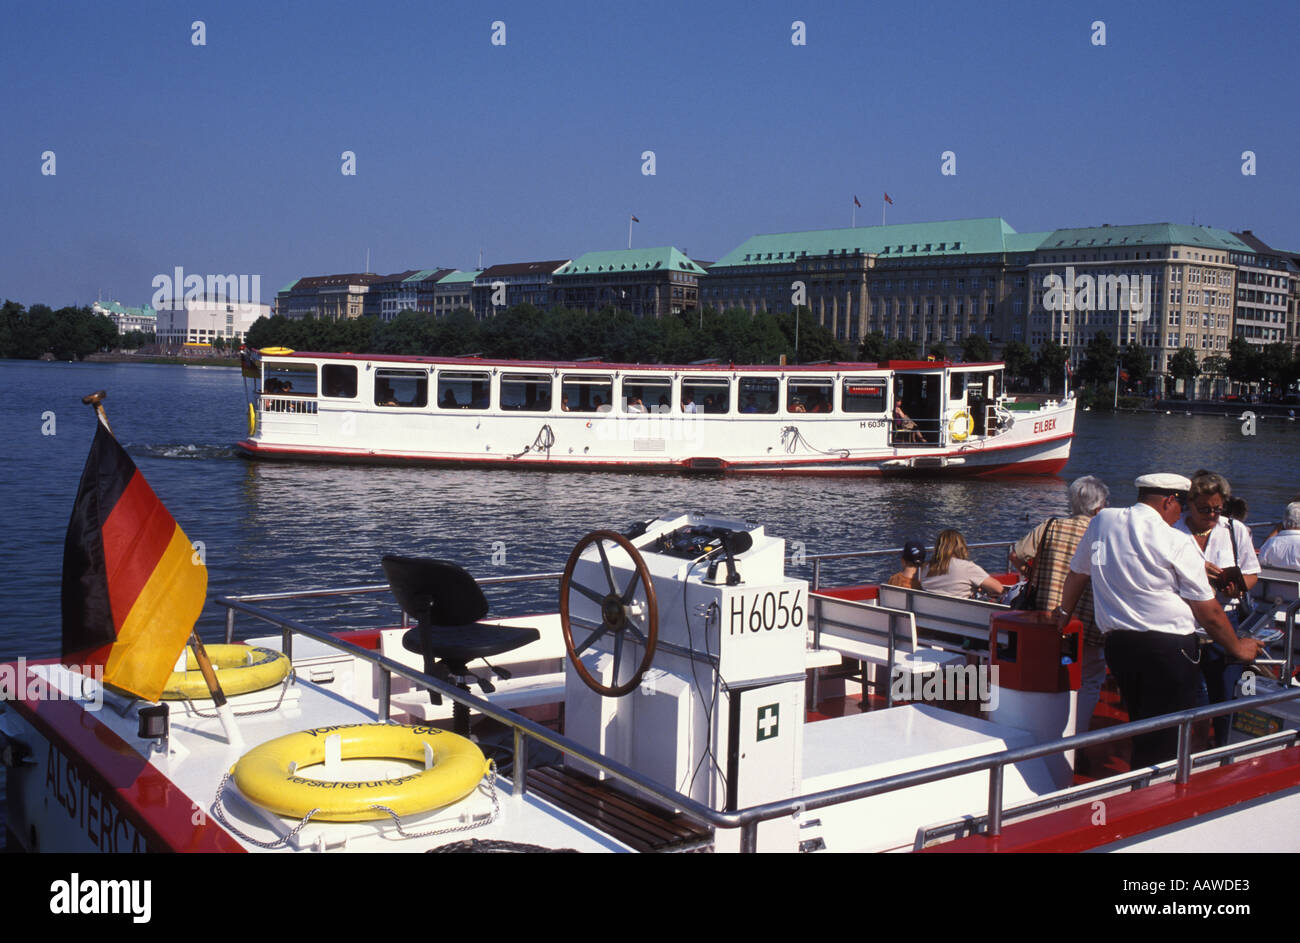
136 532
810 466
156 806
1133 813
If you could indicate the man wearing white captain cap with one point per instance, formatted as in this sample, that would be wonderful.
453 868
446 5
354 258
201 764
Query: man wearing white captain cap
1149 591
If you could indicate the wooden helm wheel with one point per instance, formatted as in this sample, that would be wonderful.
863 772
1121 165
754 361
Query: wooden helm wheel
617 619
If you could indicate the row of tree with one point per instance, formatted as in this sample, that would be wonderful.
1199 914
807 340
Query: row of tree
66 334
1273 367
526 332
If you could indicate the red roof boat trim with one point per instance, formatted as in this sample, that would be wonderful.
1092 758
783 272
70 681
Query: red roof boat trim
830 366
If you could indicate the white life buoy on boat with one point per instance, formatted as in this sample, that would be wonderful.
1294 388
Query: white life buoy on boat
959 426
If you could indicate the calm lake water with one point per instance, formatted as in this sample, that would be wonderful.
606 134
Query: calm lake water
274 527
271 527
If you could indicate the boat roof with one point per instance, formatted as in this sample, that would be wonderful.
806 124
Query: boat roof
823 367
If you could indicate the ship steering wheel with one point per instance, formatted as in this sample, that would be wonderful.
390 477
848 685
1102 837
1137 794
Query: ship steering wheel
621 616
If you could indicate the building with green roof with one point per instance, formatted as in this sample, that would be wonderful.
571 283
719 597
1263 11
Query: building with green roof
649 283
454 291
128 319
1162 286
934 282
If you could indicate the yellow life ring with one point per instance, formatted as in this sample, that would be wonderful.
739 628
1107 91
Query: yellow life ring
960 433
275 351
240 669
267 774
252 420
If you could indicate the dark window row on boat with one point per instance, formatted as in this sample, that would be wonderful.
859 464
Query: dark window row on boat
582 392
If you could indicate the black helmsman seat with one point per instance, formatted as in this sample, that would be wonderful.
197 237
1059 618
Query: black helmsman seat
447 604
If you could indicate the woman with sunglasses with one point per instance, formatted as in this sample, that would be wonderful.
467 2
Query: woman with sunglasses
1225 544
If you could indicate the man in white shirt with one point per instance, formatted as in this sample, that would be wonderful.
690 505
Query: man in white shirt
1283 548
1149 591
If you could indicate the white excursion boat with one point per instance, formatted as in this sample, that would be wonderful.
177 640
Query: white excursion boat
897 417
670 705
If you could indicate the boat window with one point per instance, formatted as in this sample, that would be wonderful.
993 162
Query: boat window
401 387
864 394
463 390
809 396
759 394
587 393
647 394
289 379
339 380
707 394
530 392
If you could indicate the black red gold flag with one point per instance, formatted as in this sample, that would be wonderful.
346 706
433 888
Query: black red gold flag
132 586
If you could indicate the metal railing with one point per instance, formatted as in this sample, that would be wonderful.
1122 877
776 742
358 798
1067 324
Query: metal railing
747 820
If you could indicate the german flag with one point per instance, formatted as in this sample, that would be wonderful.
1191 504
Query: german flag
132 588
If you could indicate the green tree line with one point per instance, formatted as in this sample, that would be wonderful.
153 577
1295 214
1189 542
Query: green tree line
525 332
1273 367
66 334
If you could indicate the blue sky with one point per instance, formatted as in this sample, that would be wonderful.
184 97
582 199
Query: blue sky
226 158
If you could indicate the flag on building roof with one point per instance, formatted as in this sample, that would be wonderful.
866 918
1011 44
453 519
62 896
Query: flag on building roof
635 220
855 200
132 587
888 200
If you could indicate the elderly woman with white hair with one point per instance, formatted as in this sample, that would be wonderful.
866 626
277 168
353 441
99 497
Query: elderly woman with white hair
1043 557
1283 548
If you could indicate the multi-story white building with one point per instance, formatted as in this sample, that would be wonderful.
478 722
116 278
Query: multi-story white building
203 320
128 319
1263 292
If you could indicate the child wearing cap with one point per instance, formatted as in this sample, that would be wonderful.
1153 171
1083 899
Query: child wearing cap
912 557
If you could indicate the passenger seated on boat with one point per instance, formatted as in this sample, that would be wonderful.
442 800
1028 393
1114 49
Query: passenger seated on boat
600 404
1283 549
820 405
564 403
688 403
634 405
904 426
384 394
449 400
796 405
912 557
952 573
273 385
751 405
664 405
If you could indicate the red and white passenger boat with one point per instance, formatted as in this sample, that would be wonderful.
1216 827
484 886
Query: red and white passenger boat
899 417
677 701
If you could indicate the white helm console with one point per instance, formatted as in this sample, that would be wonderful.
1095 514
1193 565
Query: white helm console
716 711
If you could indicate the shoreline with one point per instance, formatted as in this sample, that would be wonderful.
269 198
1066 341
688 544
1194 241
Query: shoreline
118 357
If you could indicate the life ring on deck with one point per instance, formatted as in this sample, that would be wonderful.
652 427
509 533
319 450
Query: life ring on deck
275 351
959 426
454 766
240 669
252 421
